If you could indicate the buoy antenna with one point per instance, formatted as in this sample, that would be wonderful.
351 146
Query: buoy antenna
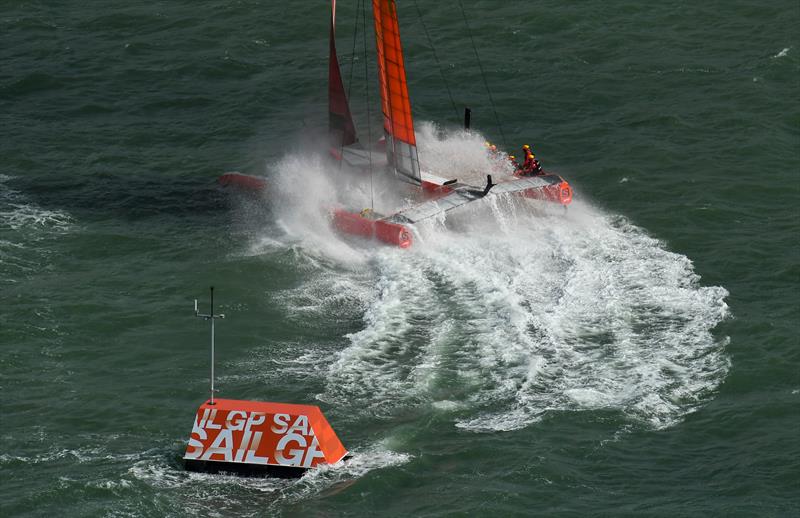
210 316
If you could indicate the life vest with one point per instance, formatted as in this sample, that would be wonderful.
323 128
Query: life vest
529 161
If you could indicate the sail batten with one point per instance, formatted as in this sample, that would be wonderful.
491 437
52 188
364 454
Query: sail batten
340 120
398 124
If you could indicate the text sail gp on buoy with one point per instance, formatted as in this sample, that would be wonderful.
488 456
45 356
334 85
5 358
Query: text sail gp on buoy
255 438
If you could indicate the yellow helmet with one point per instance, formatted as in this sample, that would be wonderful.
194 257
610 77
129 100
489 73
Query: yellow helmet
533 156
487 143
512 157
526 146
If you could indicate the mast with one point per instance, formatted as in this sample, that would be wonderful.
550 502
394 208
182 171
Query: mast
340 121
398 125
210 316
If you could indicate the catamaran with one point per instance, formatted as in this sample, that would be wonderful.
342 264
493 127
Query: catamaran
398 147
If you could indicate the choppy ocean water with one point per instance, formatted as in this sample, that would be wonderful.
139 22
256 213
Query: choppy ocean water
636 356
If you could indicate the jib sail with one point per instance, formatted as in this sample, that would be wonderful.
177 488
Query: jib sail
340 121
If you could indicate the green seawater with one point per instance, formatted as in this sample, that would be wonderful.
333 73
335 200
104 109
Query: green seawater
636 356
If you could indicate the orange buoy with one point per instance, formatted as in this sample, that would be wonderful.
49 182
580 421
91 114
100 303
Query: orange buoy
258 438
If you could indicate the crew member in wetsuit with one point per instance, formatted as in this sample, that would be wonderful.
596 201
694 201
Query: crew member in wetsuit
536 167
528 164
526 151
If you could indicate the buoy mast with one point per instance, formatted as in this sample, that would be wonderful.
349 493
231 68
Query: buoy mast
211 316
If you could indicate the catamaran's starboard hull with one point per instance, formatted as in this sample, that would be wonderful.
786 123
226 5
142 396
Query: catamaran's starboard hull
560 192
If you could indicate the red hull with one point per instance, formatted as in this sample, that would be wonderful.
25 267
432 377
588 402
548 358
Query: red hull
557 193
243 182
358 225
560 192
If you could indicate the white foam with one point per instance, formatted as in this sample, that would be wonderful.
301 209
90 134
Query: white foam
198 490
782 53
18 213
512 310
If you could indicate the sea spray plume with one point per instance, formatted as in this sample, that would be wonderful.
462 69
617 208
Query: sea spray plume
304 187
458 154
304 191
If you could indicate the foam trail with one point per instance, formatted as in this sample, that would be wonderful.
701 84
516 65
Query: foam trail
507 310
583 312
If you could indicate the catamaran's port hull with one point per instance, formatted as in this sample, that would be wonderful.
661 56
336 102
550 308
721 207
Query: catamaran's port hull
244 182
355 224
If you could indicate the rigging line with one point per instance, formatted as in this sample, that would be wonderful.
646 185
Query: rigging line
483 75
369 113
436 58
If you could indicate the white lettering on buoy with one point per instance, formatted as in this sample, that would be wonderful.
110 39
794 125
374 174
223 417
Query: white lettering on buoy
281 423
296 456
196 445
255 419
300 425
210 424
199 423
313 452
232 424
222 445
243 446
236 435
252 458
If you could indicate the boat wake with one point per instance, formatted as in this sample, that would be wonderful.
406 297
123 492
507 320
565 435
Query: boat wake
553 313
515 311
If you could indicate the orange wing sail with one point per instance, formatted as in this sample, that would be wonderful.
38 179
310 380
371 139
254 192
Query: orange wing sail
401 145
340 120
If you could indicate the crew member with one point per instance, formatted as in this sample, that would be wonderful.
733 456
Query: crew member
513 160
528 164
526 151
536 166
